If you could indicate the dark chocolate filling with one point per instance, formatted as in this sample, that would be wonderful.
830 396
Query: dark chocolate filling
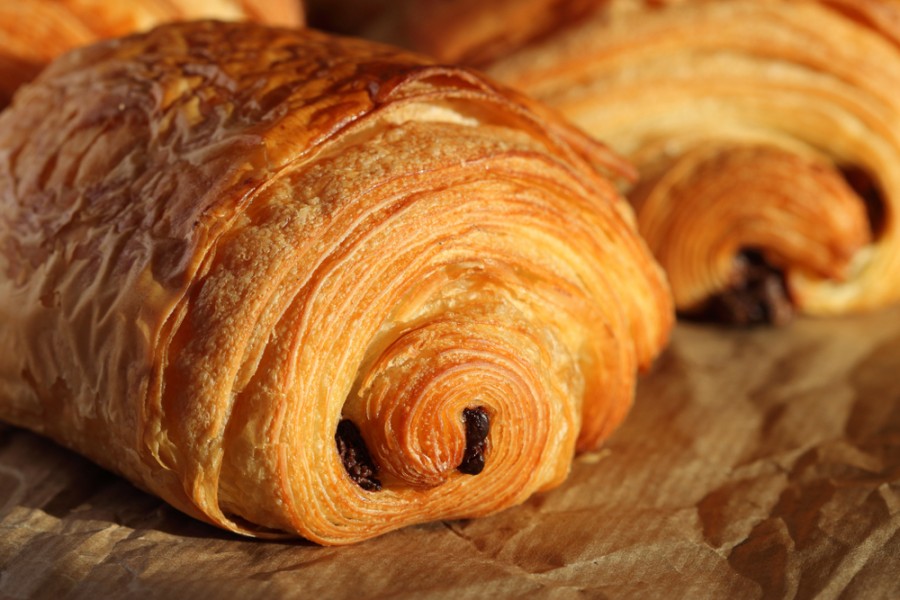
478 426
867 189
758 296
355 456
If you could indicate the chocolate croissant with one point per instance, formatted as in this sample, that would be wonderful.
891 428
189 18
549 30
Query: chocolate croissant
34 32
301 284
767 135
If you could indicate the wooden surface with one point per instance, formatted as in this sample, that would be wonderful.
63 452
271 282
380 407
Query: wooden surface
755 464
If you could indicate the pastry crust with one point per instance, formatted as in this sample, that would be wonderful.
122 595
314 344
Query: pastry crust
34 32
221 240
770 126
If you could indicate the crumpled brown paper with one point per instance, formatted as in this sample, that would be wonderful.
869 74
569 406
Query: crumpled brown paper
755 464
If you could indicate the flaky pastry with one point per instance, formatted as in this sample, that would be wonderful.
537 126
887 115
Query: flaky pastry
301 284
767 134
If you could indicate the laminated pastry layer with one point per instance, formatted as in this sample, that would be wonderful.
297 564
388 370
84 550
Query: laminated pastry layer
767 135
299 284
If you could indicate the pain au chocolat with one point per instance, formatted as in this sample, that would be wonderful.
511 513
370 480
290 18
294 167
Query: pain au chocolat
767 135
297 284
34 32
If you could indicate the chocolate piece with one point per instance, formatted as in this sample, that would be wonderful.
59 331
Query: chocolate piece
355 456
869 192
758 296
478 426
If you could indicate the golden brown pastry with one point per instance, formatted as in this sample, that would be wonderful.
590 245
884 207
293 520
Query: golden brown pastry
299 283
34 32
767 134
